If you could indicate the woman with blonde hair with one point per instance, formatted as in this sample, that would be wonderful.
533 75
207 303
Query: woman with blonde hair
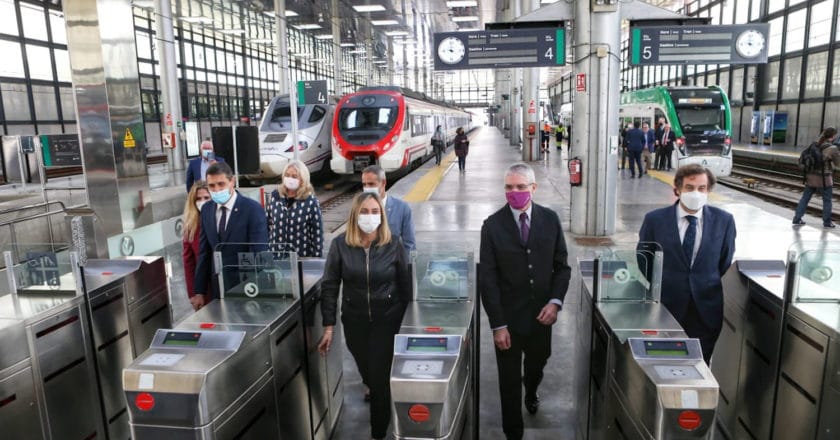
294 214
371 268
197 197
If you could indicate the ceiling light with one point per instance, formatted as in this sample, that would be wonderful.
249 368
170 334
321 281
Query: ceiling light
472 29
197 20
369 8
545 2
397 33
356 51
261 41
347 44
301 55
306 26
323 37
384 22
289 13
232 31
461 3
379 62
144 4
319 60
465 18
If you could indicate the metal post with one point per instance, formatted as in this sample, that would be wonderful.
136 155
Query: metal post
284 67
516 96
235 158
531 94
337 58
169 90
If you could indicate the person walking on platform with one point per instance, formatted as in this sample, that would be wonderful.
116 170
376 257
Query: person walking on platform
524 276
650 141
545 139
635 140
397 212
438 143
665 148
819 177
370 268
698 242
234 221
294 214
198 196
197 168
559 131
623 136
462 148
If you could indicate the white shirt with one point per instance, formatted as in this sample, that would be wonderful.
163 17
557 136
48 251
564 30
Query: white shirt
229 206
682 226
204 165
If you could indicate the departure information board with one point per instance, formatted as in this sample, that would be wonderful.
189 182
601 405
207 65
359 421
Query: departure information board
539 47
723 44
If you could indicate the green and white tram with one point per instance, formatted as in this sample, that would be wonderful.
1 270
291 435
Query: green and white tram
700 118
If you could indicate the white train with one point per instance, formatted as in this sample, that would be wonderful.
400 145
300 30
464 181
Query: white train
275 137
391 127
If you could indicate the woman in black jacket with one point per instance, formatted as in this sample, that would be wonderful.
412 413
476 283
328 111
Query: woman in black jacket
462 148
373 268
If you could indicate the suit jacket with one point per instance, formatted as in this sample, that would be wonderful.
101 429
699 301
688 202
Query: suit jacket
400 221
669 145
702 280
651 140
246 225
189 254
194 171
517 280
635 140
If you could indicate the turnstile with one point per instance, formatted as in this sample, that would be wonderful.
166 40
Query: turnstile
645 378
18 402
432 376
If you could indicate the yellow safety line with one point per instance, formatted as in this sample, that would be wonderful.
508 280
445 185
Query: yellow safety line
669 180
427 184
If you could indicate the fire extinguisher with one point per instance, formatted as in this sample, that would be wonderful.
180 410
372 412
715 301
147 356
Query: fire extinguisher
575 171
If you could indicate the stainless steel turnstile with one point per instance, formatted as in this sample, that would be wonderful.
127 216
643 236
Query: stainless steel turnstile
432 376
645 378
18 403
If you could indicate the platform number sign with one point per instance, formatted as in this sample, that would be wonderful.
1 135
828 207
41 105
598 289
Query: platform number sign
312 92
493 49
706 44
42 269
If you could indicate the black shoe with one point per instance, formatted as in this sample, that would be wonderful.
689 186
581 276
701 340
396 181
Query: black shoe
830 226
798 223
632 176
532 403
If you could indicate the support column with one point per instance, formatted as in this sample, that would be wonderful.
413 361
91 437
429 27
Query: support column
390 60
103 63
531 94
169 90
282 46
595 126
516 89
337 58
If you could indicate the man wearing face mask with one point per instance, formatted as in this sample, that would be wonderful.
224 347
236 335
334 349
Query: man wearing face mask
397 211
698 242
197 168
524 276
232 218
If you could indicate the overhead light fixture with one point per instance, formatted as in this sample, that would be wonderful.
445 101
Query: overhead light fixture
323 37
319 60
397 33
306 26
197 20
301 55
465 18
261 41
347 44
369 8
144 4
545 2
461 3
356 51
232 31
473 29
288 13
384 22
379 62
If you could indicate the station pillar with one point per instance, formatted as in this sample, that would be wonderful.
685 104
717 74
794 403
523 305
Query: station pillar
337 58
169 89
103 65
531 128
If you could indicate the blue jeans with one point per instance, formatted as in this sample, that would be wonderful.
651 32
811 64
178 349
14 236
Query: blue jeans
806 197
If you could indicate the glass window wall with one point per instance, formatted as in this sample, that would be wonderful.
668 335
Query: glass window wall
815 74
793 72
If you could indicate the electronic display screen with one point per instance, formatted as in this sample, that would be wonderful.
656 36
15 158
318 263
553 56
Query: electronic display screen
666 348
426 345
182 339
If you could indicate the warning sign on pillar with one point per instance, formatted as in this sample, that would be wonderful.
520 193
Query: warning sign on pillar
168 140
581 82
532 108
169 119
128 139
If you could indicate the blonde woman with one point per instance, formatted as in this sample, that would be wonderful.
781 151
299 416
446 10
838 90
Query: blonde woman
294 214
197 197
371 267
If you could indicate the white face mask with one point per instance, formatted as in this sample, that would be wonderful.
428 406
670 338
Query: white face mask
694 200
369 222
199 204
371 189
291 183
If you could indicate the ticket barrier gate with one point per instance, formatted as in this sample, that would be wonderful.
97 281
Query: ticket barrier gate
646 379
433 375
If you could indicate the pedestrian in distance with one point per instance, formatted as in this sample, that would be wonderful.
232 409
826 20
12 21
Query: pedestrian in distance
650 142
294 214
559 132
524 276
462 148
197 168
818 162
438 144
370 268
198 196
666 148
397 211
635 143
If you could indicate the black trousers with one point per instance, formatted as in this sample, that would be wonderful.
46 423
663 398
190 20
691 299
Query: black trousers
536 347
694 327
635 158
372 347
462 162
438 154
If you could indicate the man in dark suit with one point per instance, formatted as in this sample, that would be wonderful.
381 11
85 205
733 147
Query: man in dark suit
650 141
698 242
523 281
635 144
665 147
233 218
197 168
398 212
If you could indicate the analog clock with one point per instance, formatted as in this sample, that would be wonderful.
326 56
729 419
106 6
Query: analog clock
750 43
451 50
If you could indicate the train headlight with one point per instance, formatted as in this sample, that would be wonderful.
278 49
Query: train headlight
727 146
394 139
681 145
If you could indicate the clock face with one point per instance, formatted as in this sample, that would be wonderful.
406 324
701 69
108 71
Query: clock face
451 50
750 44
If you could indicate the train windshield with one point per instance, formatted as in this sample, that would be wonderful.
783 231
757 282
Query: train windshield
363 126
280 118
698 119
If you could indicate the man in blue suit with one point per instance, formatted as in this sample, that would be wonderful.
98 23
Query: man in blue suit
397 211
635 144
197 168
650 142
233 218
698 242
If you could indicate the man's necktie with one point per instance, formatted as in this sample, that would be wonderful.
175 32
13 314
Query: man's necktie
690 237
524 230
223 222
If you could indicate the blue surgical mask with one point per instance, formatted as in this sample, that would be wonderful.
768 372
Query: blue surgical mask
208 154
371 189
220 197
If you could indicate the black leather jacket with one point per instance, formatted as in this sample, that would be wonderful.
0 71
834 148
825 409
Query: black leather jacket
377 286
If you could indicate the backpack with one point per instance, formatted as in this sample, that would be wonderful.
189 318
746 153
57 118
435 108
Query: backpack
811 159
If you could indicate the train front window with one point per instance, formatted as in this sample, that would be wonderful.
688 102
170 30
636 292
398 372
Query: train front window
368 118
282 114
701 119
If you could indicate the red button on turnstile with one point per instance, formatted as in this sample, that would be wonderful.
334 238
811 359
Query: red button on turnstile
689 420
207 325
107 273
144 401
418 413
433 329
650 332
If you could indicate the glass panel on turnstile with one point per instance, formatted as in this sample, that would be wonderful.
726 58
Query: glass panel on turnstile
630 273
818 274
41 268
252 270
444 273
